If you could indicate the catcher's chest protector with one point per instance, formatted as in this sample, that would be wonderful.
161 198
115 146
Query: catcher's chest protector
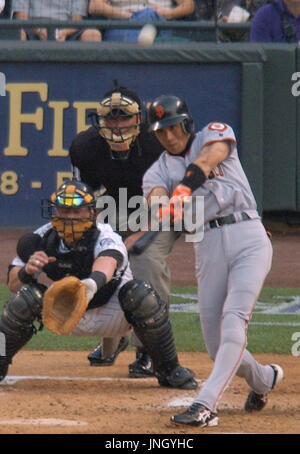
78 262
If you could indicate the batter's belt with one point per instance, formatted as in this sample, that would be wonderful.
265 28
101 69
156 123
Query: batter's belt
230 219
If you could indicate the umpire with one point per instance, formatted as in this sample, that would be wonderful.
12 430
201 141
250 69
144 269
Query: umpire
114 154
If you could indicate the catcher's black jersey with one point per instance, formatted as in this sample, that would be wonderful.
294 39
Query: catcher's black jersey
90 154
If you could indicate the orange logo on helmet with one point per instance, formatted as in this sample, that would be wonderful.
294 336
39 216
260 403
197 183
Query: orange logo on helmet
159 110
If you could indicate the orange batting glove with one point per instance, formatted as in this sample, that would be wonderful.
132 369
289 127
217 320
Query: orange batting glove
174 211
171 212
182 192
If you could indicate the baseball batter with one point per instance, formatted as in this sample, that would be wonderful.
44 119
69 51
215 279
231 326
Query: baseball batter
233 258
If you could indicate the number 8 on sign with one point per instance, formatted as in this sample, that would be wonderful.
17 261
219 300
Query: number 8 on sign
9 183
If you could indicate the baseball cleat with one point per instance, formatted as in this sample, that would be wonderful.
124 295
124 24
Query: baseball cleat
196 415
189 384
142 367
256 402
180 378
96 358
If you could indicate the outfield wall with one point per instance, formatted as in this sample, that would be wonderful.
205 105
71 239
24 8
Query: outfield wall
50 88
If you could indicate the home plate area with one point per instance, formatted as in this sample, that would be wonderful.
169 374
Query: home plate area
57 392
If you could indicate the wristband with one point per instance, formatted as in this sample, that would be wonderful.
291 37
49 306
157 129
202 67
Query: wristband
99 278
24 276
194 177
115 254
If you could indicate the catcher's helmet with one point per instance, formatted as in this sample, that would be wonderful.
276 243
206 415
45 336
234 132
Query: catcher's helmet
119 102
72 194
168 110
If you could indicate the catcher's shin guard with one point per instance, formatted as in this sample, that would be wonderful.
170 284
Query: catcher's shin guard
148 315
16 322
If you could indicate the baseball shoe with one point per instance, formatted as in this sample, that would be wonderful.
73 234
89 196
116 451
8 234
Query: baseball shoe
142 367
96 358
180 377
256 402
196 415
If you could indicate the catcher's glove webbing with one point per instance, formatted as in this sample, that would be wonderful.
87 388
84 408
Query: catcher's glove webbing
64 303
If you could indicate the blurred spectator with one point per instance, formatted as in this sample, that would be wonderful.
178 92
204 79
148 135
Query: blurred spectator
236 11
204 9
148 11
55 10
278 21
5 9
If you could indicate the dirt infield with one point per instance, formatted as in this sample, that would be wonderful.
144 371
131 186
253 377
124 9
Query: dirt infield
102 400
62 394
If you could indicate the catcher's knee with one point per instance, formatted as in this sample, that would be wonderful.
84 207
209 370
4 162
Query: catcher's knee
148 315
22 308
141 304
19 313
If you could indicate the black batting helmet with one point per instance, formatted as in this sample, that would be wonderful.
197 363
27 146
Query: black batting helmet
168 110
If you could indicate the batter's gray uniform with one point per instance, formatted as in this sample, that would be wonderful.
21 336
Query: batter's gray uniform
107 320
232 262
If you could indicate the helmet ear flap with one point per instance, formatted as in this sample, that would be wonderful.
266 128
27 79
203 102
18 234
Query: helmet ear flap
188 126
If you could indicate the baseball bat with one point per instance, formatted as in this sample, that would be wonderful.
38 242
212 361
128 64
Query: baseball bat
144 241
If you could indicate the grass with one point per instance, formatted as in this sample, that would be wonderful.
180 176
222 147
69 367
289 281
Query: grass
268 338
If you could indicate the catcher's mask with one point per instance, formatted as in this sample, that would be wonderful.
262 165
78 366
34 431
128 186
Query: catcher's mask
119 104
169 110
72 195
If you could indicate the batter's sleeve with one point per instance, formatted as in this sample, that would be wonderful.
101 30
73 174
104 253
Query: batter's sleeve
213 132
157 176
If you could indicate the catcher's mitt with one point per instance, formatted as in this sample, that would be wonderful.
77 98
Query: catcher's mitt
64 304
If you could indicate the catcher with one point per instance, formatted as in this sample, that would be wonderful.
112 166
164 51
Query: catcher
92 293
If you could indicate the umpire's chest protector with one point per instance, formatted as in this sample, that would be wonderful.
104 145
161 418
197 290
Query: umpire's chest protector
77 262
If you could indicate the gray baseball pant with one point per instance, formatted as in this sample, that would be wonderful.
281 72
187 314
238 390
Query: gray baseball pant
231 265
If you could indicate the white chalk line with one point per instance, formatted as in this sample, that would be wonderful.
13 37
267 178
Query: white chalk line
290 307
12 379
41 422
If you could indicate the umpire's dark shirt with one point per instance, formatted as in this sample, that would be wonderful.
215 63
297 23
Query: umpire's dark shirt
90 153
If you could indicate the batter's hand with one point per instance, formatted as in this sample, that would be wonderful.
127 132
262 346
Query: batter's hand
37 261
182 192
175 210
